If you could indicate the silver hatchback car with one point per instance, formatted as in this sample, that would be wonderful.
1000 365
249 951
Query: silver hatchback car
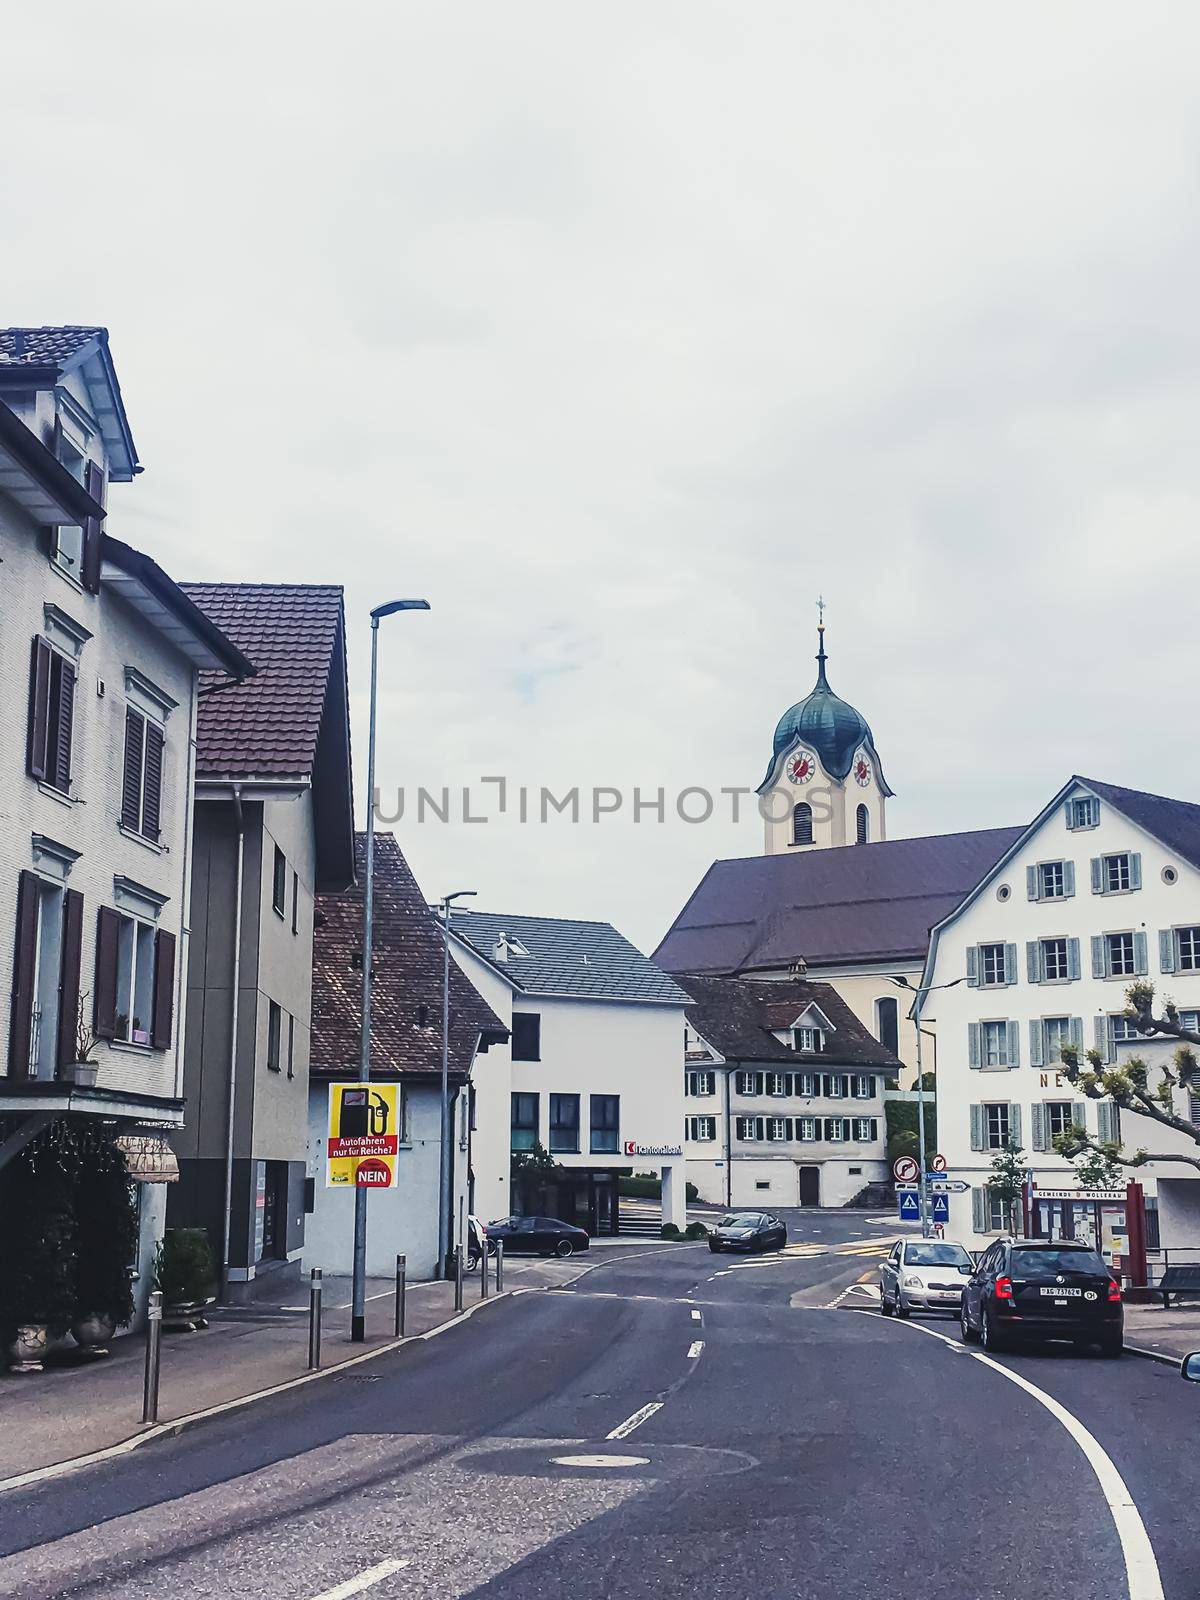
923 1275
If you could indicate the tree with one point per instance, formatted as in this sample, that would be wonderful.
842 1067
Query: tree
1097 1163
1008 1179
1128 1084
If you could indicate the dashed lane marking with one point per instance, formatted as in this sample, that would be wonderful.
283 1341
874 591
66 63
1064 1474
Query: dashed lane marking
695 1316
624 1429
695 1348
365 1580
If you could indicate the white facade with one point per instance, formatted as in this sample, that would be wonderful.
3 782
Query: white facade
1086 903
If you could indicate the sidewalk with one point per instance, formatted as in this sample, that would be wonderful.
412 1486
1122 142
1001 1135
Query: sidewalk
77 1406
1171 1335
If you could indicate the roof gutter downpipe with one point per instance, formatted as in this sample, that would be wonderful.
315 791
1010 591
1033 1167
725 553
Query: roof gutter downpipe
240 820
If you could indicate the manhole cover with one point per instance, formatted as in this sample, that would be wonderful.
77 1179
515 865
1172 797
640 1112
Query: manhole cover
601 1461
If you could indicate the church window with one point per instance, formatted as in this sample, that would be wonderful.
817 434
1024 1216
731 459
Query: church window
887 1018
802 823
863 826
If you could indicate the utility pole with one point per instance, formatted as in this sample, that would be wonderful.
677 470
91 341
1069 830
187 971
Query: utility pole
444 1207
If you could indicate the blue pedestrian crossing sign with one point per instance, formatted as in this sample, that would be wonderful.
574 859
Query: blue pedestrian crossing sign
940 1204
910 1205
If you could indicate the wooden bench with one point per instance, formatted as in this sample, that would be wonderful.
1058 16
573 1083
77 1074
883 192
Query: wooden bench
1179 1280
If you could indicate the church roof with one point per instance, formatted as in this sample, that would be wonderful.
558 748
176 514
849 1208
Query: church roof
827 724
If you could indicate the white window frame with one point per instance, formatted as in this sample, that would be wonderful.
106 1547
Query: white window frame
996 1139
986 982
832 1078
700 1085
863 1131
1192 933
1116 865
808 1130
985 1035
135 979
1045 948
702 1130
838 1122
1084 813
1052 880
1110 968
1050 1053
1050 1107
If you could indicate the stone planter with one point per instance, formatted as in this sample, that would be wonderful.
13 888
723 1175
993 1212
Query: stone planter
81 1073
185 1317
27 1349
92 1333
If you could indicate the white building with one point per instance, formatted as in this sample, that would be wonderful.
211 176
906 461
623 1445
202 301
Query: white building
103 650
591 1074
783 1095
1101 889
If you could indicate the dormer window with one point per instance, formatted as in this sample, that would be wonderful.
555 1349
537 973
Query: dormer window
807 1039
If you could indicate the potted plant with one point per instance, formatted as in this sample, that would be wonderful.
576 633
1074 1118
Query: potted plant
184 1269
37 1252
83 1070
107 1233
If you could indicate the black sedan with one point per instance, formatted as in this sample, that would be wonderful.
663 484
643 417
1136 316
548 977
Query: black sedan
537 1236
1042 1289
748 1230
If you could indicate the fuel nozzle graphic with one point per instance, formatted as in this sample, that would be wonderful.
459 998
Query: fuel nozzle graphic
363 1112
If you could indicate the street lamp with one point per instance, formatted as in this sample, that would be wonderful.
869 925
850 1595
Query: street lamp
358 1292
919 992
447 901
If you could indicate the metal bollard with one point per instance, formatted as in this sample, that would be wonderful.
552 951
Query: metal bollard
458 1277
153 1354
483 1273
314 1320
401 1290
499 1266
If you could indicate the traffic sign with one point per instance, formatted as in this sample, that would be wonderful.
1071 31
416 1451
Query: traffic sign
905 1169
941 1208
948 1186
938 1163
910 1205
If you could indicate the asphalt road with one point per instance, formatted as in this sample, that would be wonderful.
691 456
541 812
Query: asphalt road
779 1438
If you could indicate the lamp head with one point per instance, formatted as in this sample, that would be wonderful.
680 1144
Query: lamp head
398 605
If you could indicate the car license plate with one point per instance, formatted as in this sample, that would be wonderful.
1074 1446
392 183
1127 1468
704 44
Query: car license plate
1058 1294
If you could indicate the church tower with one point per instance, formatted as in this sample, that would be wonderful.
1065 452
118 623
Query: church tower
824 785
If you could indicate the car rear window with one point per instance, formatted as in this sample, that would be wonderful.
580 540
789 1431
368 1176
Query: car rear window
1049 1263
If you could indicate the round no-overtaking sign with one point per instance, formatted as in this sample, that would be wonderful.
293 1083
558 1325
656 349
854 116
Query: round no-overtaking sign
905 1170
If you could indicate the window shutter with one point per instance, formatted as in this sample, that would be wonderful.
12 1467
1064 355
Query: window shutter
152 801
973 965
974 1057
68 989
131 786
1106 1121
829 1121
1037 1127
1068 879
1097 875
39 709
164 990
1097 955
1031 882
790 1128
1014 1125
1141 958
58 760
24 968
1033 961
1166 949
1068 815
980 1210
976 1127
1079 1114
1037 1047
1101 1038
1074 970
1010 963
1077 1032
1135 869
108 927
93 480
1014 1044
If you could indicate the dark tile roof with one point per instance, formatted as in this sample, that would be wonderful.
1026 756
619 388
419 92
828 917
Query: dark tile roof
408 971
1174 823
871 902
268 727
738 1016
588 960
44 346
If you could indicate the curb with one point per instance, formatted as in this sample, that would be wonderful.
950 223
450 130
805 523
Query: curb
161 1430
1153 1355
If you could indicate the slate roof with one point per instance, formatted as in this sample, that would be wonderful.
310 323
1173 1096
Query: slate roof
587 960
44 346
857 903
1174 823
268 727
737 1016
408 969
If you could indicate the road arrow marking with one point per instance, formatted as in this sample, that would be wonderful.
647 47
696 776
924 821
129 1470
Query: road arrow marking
365 1580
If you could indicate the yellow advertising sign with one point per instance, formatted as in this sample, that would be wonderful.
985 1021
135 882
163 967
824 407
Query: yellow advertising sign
364 1135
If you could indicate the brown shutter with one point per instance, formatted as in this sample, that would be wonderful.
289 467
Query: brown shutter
39 708
152 801
131 787
92 530
58 760
24 970
68 990
164 989
108 933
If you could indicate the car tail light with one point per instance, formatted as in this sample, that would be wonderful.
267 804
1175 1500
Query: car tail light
1004 1289
1114 1289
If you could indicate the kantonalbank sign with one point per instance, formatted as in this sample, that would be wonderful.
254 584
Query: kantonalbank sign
633 1148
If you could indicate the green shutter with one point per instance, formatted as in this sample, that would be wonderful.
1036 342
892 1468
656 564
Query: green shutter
1014 1125
1010 963
973 966
1077 1032
974 1057
1079 1114
1141 957
1073 967
1031 882
1068 879
1097 875
1037 1126
976 1127
1101 1035
1166 949
980 1210
1033 960
1135 869
1037 1044
1097 955
1014 1044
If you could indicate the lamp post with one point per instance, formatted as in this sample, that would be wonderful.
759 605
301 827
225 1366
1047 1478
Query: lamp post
446 902
919 992
358 1292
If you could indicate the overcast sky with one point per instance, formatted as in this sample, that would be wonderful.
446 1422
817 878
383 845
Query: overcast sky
622 331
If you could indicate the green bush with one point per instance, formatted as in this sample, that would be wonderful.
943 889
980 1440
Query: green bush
37 1243
695 1230
670 1231
184 1267
647 1186
107 1232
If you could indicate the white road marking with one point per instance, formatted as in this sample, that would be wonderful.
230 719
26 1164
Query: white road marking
601 1461
695 1316
365 1580
695 1348
624 1429
1141 1567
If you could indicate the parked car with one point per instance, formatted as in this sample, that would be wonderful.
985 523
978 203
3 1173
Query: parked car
748 1230
923 1275
534 1236
477 1242
1042 1289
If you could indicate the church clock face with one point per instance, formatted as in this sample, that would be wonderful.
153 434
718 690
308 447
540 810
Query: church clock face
801 767
861 770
